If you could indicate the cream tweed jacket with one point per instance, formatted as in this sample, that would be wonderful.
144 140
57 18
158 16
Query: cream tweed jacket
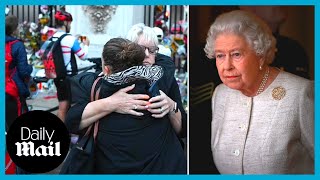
265 134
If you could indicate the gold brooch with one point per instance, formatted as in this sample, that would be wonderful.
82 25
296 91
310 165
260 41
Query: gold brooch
278 93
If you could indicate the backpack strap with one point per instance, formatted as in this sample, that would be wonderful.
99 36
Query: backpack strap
93 97
11 87
96 124
59 38
9 44
74 68
57 54
12 42
96 97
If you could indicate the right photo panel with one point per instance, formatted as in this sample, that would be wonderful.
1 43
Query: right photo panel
251 90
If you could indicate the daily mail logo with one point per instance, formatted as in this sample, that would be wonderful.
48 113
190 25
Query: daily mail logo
37 141
27 147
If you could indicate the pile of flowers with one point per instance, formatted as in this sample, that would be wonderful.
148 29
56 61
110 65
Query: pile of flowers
35 34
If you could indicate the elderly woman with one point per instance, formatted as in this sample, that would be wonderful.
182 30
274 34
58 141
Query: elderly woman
262 118
169 99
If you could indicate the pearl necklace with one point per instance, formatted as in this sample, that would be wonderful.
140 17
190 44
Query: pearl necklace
263 82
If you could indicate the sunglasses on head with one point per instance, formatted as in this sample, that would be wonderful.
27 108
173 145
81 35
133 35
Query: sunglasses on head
152 49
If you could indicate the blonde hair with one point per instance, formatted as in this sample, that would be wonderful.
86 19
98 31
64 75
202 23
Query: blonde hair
140 30
256 32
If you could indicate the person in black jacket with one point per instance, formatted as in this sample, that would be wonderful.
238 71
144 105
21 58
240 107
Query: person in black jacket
21 74
132 138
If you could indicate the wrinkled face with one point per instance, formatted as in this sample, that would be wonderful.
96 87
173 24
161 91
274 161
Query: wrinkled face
150 50
237 63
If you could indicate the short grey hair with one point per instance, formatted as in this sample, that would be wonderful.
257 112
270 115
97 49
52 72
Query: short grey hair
140 30
256 32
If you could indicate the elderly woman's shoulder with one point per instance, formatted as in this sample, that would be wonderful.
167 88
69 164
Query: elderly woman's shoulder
296 84
294 80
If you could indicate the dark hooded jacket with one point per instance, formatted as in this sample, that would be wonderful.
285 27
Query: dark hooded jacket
22 74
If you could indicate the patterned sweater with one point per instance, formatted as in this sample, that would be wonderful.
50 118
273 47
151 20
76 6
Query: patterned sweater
272 133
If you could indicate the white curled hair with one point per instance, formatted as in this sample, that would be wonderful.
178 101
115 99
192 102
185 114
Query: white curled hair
256 32
140 30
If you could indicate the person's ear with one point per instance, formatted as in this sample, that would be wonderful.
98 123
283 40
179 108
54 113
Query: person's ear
107 70
16 32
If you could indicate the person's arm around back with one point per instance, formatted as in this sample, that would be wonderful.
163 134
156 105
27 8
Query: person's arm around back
178 119
120 102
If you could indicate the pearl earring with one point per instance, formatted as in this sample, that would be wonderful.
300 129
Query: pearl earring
260 68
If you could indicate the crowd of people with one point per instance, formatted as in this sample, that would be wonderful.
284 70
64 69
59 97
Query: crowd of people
141 116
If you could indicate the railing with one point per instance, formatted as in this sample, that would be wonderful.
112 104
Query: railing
30 13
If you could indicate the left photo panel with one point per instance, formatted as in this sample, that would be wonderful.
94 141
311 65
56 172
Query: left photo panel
96 89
